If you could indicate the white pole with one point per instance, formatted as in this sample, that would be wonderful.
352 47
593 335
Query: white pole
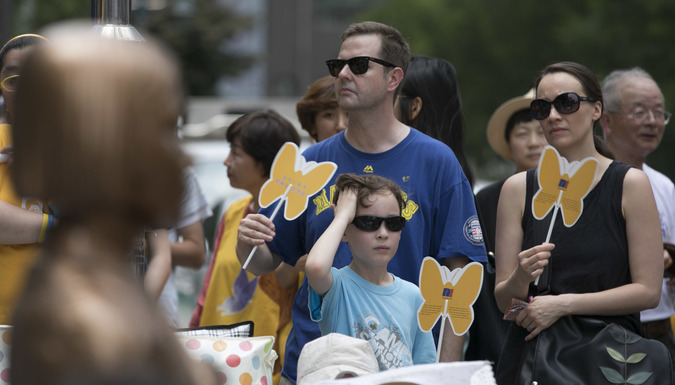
440 337
550 227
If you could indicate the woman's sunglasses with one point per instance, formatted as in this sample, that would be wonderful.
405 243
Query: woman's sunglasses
370 223
566 103
358 65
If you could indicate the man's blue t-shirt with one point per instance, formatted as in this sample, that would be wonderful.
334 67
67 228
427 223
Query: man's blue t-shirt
440 212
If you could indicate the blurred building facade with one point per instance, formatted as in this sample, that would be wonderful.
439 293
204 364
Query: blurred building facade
291 40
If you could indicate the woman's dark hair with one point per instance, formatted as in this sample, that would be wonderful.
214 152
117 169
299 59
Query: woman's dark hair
261 134
434 81
591 87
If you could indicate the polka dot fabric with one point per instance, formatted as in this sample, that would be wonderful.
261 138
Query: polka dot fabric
237 361
5 341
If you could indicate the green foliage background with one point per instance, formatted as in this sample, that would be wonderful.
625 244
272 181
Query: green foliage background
197 39
498 47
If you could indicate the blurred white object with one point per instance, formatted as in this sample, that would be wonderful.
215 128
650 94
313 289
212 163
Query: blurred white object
216 124
446 373
335 356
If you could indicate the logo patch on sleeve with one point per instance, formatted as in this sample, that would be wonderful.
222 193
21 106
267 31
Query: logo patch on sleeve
472 231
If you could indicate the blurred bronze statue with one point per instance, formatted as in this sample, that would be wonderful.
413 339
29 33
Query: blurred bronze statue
94 132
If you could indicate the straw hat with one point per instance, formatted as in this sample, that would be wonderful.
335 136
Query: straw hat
497 124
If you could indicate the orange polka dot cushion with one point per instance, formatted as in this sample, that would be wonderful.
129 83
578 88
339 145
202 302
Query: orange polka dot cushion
237 361
5 332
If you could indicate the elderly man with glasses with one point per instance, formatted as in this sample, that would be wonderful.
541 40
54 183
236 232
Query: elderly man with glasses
634 121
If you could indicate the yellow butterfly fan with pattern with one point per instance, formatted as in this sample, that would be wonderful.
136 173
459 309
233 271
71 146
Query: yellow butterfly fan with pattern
448 294
562 185
290 171
294 180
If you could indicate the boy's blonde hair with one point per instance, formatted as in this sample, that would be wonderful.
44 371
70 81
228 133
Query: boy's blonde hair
367 185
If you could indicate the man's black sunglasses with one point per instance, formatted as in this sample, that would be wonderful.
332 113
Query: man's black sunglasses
358 65
566 103
370 223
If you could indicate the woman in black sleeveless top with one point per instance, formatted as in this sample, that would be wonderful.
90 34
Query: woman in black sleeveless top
609 264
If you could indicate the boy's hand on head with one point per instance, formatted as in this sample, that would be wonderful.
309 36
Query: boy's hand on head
346 205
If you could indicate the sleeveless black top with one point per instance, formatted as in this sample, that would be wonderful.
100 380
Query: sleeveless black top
592 255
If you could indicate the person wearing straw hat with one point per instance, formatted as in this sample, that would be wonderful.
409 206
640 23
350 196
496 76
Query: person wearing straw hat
514 135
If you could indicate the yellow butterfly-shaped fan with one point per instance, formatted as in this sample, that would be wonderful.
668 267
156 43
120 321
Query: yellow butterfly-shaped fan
305 178
460 288
564 184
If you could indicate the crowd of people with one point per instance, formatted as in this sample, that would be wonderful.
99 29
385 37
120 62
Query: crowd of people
392 123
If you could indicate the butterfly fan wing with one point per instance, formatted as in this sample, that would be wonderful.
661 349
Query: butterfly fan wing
572 201
305 185
465 293
282 168
431 286
548 175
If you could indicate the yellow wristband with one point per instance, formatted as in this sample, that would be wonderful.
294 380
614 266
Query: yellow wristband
43 229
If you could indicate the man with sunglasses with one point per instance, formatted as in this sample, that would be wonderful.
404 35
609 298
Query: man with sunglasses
358 299
634 121
440 211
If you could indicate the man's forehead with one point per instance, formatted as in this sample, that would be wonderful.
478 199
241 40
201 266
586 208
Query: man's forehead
641 92
369 43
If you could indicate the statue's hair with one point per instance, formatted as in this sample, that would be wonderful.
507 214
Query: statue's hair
96 128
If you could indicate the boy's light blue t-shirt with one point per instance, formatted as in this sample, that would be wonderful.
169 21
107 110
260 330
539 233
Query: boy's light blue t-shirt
386 316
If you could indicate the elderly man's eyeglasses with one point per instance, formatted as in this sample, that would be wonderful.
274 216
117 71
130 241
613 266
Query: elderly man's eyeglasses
640 116
565 103
371 223
10 82
358 65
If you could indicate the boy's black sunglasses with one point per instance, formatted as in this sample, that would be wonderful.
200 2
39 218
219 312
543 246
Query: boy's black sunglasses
370 223
358 65
566 103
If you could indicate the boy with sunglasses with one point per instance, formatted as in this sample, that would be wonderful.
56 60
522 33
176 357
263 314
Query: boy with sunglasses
363 299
